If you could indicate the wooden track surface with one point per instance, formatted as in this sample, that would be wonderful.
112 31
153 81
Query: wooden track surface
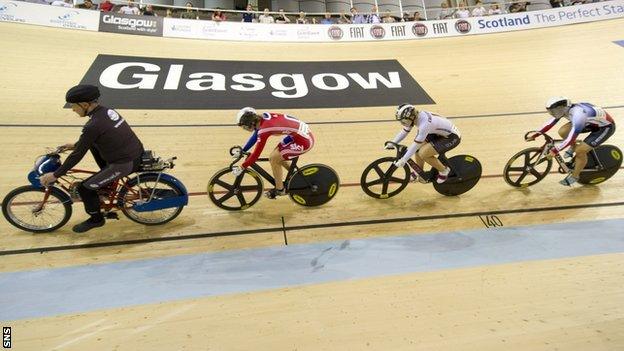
489 75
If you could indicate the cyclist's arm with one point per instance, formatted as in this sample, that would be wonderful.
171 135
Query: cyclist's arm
401 135
87 138
411 150
551 123
420 140
257 151
252 140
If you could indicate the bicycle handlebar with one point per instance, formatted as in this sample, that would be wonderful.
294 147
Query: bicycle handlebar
400 149
240 152
548 138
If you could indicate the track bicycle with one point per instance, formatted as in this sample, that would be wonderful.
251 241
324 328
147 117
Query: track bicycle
309 185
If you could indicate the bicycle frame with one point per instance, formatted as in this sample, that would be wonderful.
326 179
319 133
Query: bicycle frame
112 190
267 176
401 149
258 169
550 143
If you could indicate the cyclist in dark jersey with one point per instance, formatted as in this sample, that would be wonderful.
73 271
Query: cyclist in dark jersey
115 147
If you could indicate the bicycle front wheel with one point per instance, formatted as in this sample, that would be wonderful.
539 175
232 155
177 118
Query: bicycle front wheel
527 168
37 210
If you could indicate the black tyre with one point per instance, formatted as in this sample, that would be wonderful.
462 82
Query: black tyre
465 174
313 185
382 180
140 189
526 168
235 193
24 208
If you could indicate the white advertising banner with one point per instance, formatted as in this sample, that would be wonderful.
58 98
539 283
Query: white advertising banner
47 15
180 28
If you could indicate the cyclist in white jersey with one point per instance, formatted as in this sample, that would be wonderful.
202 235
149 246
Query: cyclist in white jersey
582 118
436 135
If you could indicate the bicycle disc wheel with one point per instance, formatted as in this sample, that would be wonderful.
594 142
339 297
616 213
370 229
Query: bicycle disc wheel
235 193
382 180
526 168
610 161
465 175
141 190
313 185
24 208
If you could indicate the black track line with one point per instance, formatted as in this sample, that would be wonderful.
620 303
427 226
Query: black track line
385 120
301 227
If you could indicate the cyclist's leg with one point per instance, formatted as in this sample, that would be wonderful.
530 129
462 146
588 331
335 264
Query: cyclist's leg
428 153
419 160
439 145
275 158
563 133
593 140
289 148
89 195
565 130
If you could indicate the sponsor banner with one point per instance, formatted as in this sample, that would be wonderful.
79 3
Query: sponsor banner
393 31
131 24
130 82
46 15
181 28
548 18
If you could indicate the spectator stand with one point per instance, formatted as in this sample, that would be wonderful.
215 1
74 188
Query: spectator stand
315 10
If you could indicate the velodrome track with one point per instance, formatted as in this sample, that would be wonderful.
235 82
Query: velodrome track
492 86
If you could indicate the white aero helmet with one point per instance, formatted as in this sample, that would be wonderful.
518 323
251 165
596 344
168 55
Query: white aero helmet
246 116
404 111
557 101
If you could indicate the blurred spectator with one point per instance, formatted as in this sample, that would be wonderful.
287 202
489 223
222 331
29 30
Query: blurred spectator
302 18
129 9
343 19
249 15
556 3
494 10
373 17
445 12
479 10
328 19
88 5
406 17
169 13
281 17
106 6
189 13
578 2
149 11
417 17
218 16
266 17
356 18
387 18
62 3
518 6
462 11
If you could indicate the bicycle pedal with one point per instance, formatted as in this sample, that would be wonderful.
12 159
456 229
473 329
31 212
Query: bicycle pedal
111 215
